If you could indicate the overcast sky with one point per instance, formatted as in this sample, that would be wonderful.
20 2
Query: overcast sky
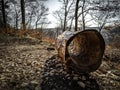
53 5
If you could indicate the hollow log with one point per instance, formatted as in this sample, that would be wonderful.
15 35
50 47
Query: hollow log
81 51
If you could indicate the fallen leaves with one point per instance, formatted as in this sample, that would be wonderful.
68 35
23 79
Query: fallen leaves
21 64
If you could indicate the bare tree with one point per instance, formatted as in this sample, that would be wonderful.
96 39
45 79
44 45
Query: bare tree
36 13
83 15
59 16
17 16
76 15
74 11
67 4
23 14
104 12
81 11
40 14
3 13
14 14
31 8
71 23
66 13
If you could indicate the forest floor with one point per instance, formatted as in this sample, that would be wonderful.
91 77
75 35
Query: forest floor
22 62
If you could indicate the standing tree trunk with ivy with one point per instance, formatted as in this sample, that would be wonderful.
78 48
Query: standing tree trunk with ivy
23 14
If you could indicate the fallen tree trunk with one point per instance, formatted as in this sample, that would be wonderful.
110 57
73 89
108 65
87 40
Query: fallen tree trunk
81 51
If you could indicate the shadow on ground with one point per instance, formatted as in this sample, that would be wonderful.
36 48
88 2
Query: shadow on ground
56 77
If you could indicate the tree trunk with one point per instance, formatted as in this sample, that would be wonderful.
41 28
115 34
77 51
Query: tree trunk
83 17
23 14
3 14
64 28
76 15
36 25
86 55
65 16
16 23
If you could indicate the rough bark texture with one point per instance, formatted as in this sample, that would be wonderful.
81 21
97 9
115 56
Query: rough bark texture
82 51
23 14
83 16
65 16
76 15
3 13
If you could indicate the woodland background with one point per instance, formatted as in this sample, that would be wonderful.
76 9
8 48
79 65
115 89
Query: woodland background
26 42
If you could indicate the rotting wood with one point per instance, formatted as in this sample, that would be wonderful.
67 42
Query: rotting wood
81 51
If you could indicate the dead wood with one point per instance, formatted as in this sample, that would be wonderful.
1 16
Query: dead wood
81 51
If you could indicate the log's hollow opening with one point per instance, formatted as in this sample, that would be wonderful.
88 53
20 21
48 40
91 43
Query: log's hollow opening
78 49
83 51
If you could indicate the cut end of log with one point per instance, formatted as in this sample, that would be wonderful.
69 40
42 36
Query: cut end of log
81 51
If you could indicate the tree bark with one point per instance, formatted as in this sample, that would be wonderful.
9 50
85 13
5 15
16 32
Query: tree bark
83 16
86 55
23 14
16 21
3 14
76 15
65 16
36 25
